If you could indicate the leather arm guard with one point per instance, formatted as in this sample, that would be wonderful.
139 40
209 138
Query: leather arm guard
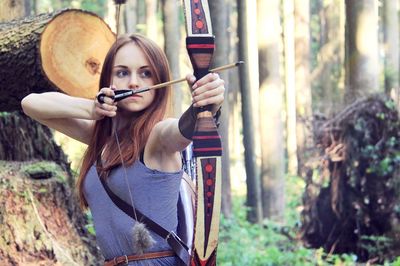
187 122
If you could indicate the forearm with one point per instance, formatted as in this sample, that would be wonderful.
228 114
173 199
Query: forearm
51 105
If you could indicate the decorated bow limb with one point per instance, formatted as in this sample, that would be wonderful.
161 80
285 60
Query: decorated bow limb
207 148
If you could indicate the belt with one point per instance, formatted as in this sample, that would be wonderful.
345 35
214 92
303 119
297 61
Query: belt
124 260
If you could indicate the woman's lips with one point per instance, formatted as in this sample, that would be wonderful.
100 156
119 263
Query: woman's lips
133 97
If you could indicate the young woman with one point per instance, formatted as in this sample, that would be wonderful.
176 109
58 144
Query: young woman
137 129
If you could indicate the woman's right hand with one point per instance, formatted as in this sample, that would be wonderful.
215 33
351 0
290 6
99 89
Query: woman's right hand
108 108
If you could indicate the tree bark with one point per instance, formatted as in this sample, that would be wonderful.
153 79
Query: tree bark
220 19
249 95
271 109
28 64
361 49
42 147
171 47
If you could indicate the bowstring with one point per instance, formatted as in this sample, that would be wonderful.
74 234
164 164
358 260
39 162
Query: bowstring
114 127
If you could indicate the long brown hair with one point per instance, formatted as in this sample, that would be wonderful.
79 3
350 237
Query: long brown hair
134 137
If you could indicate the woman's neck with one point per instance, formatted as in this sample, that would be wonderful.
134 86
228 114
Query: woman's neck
124 119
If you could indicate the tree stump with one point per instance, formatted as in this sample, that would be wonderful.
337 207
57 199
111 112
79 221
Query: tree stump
61 51
352 197
40 220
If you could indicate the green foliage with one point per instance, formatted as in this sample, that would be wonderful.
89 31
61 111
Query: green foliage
90 226
396 262
243 243
96 6
43 170
376 245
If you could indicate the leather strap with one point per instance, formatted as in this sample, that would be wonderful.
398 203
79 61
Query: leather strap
124 260
177 245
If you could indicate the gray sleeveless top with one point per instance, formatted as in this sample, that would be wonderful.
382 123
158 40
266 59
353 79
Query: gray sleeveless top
154 193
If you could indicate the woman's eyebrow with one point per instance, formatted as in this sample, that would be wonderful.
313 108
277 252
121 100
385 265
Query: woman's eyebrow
120 66
123 66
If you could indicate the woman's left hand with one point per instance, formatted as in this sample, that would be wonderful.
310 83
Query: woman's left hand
209 90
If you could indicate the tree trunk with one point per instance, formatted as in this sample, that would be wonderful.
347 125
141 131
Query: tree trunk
42 148
130 16
235 120
290 84
141 16
328 76
27 64
249 95
171 46
302 80
391 44
271 109
220 19
361 49
29 8
151 20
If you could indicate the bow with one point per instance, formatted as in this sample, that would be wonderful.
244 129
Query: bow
207 148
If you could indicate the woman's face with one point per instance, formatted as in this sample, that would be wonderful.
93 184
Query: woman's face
131 71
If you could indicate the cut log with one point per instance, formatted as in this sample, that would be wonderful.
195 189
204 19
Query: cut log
60 51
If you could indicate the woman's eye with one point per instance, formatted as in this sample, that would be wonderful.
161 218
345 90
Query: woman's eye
121 73
146 73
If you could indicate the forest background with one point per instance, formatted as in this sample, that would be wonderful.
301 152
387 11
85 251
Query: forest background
309 125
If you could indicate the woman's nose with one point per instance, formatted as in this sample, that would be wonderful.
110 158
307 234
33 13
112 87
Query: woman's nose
133 82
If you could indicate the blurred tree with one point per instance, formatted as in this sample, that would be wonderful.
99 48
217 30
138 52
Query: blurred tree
247 28
290 85
141 16
220 19
302 76
12 9
171 30
362 66
271 109
130 16
151 20
29 8
391 45
328 70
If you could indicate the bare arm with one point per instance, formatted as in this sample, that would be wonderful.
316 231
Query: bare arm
166 139
72 116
